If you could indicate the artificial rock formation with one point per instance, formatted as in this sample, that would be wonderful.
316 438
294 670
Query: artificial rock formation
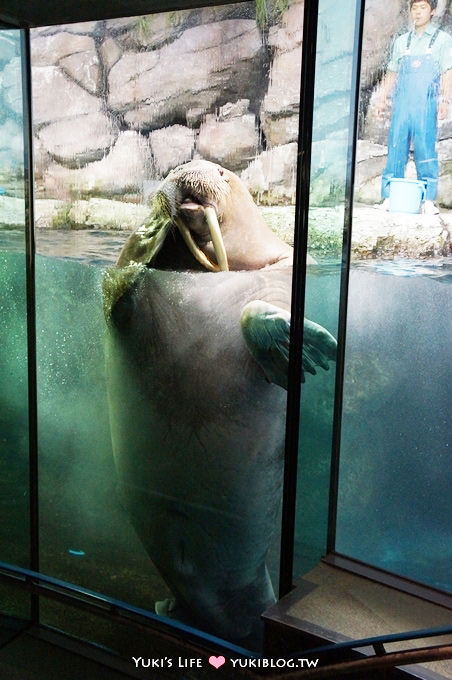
119 103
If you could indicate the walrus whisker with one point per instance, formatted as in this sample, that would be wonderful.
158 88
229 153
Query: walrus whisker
193 248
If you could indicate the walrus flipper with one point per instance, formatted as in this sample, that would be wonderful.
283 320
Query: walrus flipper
319 347
266 329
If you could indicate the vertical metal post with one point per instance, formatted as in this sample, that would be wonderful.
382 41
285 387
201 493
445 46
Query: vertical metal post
345 269
298 293
31 312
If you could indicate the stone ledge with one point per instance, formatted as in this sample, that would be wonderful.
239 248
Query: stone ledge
376 234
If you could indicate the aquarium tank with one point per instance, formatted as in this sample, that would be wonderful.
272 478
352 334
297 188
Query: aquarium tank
156 174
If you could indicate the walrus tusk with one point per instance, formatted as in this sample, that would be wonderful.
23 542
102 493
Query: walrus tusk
193 248
217 239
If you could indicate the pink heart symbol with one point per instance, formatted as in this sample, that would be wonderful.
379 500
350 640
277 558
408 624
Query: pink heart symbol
217 661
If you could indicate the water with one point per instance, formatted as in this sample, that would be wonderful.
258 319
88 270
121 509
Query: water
85 536
395 476
395 479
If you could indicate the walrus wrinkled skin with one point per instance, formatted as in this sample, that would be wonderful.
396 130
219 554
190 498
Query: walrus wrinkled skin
198 311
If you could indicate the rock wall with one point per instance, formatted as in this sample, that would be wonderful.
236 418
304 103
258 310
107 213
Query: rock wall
119 103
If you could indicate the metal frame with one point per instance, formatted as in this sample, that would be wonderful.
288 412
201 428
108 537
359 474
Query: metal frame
401 583
29 13
343 301
198 642
31 312
39 584
306 115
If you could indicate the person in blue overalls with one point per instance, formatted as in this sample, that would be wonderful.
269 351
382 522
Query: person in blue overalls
419 77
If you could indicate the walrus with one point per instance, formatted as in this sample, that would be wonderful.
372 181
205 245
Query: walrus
198 315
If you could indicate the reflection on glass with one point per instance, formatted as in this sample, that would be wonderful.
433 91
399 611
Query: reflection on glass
182 436
331 129
395 482
14 525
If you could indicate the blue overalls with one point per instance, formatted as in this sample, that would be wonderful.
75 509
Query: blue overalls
414 118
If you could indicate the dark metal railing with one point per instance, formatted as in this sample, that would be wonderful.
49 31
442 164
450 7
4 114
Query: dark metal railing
31 311
102 605
306 115
345 270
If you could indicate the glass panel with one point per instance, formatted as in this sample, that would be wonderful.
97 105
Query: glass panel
14 523
173 452
395 474
330 148
14 469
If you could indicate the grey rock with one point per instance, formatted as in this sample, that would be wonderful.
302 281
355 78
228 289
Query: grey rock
288 33
444 150
279 110
282 99
383 20
55 96
152 31
101 213
444 197
233 110
79 140
195 115
149 89
271 177
119 26
123 170
48 50
281 130
84 68
171 146
231 142
110 52
377 233
80 28
370 162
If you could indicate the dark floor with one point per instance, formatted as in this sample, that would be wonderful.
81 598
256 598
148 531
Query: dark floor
23 657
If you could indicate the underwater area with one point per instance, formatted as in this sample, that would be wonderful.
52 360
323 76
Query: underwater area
394 479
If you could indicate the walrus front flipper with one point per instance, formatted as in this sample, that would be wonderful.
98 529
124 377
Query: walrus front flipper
319 347
266 329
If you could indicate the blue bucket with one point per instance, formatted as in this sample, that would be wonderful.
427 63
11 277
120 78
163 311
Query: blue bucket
406 195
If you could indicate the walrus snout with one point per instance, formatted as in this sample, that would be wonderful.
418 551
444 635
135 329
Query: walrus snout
205 224
193 212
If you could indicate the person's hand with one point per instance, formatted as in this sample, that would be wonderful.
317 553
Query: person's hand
443 110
